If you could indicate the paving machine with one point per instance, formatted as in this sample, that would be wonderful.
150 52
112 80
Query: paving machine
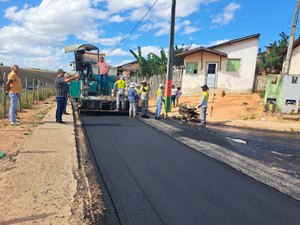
86 91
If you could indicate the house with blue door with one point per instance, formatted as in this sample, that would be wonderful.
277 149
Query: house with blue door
229 66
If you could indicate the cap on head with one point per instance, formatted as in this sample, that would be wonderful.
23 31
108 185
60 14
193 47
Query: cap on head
204 87
144 82
132 85
161 85
60 71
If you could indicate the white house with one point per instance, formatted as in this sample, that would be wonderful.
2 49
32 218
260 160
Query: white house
295 58
228 66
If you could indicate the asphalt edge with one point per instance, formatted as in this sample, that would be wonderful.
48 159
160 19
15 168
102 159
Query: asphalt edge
99 204
84 193
252 168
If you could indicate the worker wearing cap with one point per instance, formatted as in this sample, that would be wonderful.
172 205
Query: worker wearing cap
159 100
203 104
60 84
132 98
144 96
120 86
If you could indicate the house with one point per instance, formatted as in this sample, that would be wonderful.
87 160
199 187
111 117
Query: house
128 69
295 58
283 90
228 66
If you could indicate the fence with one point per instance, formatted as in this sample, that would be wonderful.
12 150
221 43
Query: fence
155 80
34 91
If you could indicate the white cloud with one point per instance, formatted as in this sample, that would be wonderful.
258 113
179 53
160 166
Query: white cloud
117 19
109 41
125 62
41 30
36 33
158 18
149 49
115 6
117 52
227 15
190 30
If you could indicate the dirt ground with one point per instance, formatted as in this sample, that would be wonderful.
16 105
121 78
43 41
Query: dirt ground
222 108
13 138
72 196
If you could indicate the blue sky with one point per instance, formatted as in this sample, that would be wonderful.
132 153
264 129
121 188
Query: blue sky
33 33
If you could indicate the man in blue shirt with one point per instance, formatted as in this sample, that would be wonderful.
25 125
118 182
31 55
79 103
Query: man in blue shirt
132 98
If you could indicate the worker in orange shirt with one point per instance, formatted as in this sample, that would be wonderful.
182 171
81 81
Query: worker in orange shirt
103 71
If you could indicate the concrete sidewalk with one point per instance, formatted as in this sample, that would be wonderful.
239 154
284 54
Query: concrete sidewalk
41 187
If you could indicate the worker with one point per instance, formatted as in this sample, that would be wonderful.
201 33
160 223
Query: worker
137 89
203 104
132 98
174 94
120 86
103 72
144 96
159 101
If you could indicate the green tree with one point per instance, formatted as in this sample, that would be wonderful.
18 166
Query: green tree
144 67
272 60
178 61
157 65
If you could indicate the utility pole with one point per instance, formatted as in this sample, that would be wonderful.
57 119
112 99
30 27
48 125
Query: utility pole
287 62
168 90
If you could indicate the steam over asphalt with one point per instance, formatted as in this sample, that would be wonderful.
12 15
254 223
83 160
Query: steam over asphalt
154 179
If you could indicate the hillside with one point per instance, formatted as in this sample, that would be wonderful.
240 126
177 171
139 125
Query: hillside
43 75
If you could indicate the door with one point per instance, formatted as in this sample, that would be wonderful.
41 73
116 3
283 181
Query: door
211 73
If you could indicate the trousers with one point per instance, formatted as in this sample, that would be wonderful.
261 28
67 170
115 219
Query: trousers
60 104
14 103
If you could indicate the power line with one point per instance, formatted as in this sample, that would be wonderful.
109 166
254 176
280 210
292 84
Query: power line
128 35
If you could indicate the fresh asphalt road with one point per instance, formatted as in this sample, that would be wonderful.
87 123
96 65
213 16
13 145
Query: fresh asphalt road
154 179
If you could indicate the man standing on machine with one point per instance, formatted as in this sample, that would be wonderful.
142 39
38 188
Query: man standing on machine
103 72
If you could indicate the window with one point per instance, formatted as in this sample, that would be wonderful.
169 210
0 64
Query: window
274 80
211 68
294 80
233 65
191 68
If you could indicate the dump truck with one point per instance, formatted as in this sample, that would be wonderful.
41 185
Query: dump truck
85 91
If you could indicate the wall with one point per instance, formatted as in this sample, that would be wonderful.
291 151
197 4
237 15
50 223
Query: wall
260 83
295 65
291 91
191 83
241 81
274 90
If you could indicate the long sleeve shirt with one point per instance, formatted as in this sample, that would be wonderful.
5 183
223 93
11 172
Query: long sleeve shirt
132 95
